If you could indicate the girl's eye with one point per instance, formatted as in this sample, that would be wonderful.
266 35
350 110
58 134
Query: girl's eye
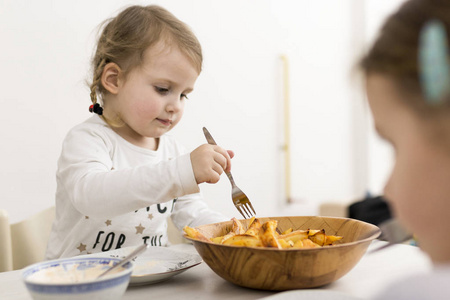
184 96
161 90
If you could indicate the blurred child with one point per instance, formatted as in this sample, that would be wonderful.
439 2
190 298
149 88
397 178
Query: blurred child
120 177
413 113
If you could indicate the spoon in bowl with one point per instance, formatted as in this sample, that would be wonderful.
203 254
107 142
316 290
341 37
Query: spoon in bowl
129 257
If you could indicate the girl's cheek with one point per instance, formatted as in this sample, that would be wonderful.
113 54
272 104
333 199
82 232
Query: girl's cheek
146 109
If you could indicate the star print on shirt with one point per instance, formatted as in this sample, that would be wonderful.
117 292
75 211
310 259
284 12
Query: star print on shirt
139 229
150 216
108 222
82 247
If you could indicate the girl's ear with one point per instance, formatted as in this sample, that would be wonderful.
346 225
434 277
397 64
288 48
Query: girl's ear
110 78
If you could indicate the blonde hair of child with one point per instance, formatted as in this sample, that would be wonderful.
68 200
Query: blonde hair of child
126 37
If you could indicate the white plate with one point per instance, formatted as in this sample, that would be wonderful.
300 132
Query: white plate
156 264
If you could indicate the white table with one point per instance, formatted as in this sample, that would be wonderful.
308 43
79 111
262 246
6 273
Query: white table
374 272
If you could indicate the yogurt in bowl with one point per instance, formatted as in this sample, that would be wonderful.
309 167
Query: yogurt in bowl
76 278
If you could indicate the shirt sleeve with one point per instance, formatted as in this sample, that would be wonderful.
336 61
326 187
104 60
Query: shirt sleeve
192 211
85 177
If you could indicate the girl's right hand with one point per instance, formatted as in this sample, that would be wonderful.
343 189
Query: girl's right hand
209 162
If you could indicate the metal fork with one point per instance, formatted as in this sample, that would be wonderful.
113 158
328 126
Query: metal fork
240 200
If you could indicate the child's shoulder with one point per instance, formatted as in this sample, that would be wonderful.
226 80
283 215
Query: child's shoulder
93 123
91 127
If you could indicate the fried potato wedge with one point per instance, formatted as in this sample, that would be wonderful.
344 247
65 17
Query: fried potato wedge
285 244
254 228
237 226
298 244
195 234
267 234
287 231
307 243
294 236
319 237
243 240
331 239
217 239
304 244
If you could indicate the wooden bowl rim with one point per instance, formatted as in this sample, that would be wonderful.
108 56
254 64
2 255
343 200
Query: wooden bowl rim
371 236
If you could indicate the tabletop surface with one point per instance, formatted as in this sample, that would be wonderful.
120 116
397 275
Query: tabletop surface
373 272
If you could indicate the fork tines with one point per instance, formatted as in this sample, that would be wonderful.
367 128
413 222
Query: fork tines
246 205
247 208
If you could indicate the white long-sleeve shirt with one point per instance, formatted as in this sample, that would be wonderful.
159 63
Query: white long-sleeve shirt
112 194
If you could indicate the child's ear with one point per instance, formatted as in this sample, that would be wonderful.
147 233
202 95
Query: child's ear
110 77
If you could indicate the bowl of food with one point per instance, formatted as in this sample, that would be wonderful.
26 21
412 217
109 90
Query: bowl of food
77 278
283 253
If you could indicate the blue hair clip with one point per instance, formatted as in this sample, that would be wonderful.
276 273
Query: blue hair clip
434 66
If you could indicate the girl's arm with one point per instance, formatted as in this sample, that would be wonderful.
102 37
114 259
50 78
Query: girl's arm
87 179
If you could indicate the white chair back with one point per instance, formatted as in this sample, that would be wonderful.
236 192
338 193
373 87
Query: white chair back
25 242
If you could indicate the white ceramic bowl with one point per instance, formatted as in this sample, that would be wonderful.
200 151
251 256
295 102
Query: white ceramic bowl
75 279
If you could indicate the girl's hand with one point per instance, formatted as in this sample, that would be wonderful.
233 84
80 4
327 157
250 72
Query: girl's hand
209 162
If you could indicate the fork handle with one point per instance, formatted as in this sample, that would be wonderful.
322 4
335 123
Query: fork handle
230 177
211 141
208 137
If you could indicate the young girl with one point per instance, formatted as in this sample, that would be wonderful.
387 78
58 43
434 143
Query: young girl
119 176
408 114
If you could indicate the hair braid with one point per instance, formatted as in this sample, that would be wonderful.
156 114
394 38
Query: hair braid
96 80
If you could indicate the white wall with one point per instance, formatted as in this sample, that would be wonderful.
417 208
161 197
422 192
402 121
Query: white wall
44 61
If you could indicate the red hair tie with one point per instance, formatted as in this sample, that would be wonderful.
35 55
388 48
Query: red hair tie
96 108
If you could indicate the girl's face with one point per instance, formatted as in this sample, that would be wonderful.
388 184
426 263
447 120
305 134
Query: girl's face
150 101
419 186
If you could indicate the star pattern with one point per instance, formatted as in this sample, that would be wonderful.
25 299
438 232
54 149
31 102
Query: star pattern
140 229
146 218
82 247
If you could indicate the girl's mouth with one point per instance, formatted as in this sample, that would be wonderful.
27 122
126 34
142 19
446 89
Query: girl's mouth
165 122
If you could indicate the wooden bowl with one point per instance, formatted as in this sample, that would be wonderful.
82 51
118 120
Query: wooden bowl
285 269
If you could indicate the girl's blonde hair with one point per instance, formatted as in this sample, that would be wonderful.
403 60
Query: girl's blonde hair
126 37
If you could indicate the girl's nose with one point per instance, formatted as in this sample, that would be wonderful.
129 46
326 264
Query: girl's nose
174 105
